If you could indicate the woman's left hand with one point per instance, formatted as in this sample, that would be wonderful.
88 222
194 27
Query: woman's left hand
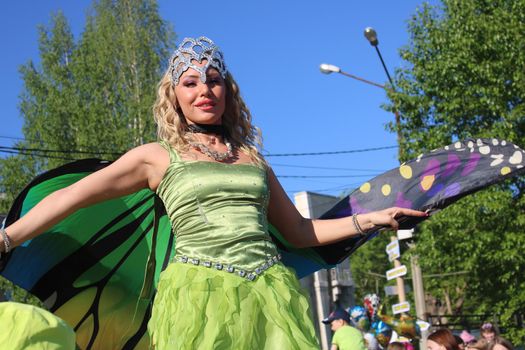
386 218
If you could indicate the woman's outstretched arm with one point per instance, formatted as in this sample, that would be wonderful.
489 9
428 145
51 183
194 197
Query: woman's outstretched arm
142 167
302 232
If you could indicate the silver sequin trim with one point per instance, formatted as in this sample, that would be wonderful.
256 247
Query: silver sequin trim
249 275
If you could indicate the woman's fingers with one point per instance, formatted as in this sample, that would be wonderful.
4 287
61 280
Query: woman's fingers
409 212
392 216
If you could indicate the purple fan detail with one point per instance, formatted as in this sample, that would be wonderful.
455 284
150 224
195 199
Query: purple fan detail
402 202
452 190
471 164
356 208
453 163
434 190
432 168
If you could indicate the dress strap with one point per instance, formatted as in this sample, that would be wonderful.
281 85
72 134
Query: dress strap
174 156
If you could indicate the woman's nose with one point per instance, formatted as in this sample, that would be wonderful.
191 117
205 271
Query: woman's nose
205 89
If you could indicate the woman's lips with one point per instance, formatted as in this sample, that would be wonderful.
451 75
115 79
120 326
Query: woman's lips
207 105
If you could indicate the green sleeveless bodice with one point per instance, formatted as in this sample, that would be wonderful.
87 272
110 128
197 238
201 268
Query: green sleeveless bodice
218 214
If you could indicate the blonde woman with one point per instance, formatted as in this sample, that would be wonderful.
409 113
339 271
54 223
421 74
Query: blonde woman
226 288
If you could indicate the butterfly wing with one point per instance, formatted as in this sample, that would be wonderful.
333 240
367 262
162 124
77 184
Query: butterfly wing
97 268
431 182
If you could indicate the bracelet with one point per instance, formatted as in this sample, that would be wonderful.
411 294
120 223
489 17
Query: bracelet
357 226
7 241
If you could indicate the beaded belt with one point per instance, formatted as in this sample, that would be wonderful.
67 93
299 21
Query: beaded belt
249 275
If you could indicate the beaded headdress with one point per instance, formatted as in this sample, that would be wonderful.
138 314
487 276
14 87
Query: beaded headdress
191 50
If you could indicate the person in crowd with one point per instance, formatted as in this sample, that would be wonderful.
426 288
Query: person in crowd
442 339
345 336
488 332
460 342
500 343
226 287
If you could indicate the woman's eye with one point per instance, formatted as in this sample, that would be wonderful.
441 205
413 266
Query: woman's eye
189 84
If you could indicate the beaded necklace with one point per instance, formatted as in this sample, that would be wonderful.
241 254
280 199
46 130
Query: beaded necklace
211 129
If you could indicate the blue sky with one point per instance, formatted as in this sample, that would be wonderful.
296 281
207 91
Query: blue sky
273 49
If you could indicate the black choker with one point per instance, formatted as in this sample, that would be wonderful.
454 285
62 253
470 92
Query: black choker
206 129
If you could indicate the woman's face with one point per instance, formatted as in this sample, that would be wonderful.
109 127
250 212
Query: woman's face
201 103
432 345
489 336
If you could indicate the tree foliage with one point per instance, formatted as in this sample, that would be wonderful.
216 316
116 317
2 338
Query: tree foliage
91 97
369 265
465 77
94 95
465 74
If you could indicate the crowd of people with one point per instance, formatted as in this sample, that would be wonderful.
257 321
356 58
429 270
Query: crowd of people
489 339
347 337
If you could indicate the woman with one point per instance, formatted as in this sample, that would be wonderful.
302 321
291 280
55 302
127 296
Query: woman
488 332
442 339
226 287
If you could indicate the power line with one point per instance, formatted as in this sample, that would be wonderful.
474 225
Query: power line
328 152
23 149
322 176
37 152
344 187
35 155
324 168
16 150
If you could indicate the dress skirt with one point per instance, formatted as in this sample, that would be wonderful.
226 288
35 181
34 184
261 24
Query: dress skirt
201 308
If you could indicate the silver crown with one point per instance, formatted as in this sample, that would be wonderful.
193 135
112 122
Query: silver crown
191 50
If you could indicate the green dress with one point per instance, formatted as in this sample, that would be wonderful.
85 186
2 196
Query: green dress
226 288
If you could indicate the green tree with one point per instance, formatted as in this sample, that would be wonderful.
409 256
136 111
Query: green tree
369 265
92 97
465 77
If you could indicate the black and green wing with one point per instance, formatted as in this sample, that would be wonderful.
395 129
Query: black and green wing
98 268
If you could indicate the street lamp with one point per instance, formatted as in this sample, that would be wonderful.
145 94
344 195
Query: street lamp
330 68
371 36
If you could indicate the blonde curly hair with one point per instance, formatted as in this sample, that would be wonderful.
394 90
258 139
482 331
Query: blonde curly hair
237 120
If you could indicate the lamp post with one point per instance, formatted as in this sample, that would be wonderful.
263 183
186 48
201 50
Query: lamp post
371 36
417 279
